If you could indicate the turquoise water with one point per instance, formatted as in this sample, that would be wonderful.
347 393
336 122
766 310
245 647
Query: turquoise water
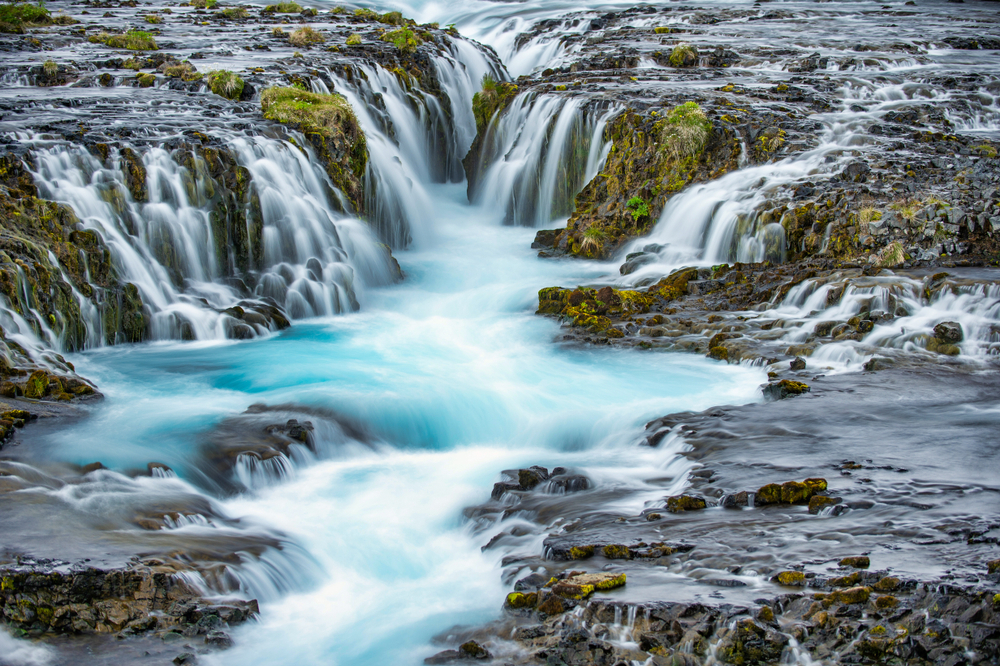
454 378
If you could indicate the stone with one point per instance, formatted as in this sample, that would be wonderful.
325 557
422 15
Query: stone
617 552
993 566
819 502
790 578
949 332
785 388
798 363
857 562
685 503
185 658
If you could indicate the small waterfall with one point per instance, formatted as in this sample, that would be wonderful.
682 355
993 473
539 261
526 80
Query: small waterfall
537 156
415 138
195 247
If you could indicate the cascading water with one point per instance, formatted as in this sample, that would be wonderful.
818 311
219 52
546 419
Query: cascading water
537 157
296 251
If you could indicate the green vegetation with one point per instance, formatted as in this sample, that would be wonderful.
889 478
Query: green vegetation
684 55
985 150
404 39
315 111
891 255
393 18
185 71
494 97
305 36
636 207
338 10
146 79
365 13
16 16
133 40
278 32
685 131
354 40
225 83
204 4
283 8
50 68
153 18
233 13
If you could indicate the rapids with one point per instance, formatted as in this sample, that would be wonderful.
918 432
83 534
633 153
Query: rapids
445 378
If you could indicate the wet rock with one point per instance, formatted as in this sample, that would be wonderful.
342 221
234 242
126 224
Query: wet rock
819 502
857 562
736 500
798 363
682 503
790 492
949 332
993 566
185 658
785 388
790 578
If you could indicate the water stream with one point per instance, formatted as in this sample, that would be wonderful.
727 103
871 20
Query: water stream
423 391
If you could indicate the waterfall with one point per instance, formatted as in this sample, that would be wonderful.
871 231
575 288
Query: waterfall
537 156
195 249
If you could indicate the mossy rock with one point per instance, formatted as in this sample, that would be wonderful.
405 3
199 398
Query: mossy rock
37 386
853 595
581 552
887 584
819 502
551 605
785 388
331 127
521 600
886 601
790 579
993 566
857 562
685 503
615 551
849 580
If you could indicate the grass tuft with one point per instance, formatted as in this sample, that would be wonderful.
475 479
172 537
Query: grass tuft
685 131
284 8
404 39
305 36
133 40
225 83
354 40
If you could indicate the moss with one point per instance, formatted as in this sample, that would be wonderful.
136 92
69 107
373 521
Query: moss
849 580
50 68
16 16
685 503
184 71
886 601
684 55
887 584
305 36
404 39
331 127
365 13
581 552
283 8
791 578
685 131
133 40
225 83
985 150
853 595
617 552
493 98
552 605
392 18
993 566
353 40
154 19
37 386
521 600
858 562
146 79
233 13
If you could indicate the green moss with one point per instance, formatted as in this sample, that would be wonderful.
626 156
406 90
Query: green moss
684 55
16 16
404 39
305 36
616 551
233 13
493 98
154 19
37 386
857 562
146 79
332 128
682 503
284 8
50 67
791 578
849 580
133 40
581 552
184 71
887 584
225 83
392 18
521 600
353 40
685 131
